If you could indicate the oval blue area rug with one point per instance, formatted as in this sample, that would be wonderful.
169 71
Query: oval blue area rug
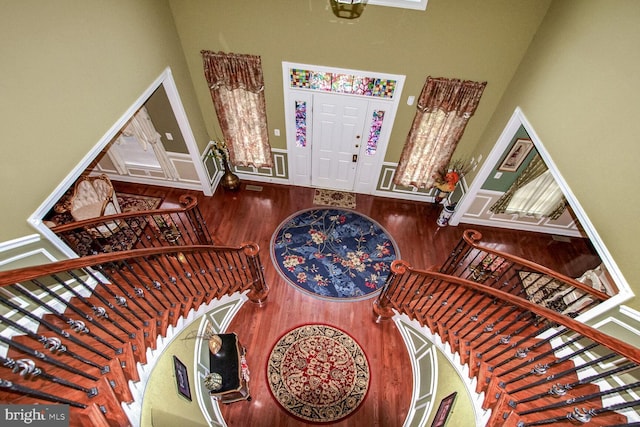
333 254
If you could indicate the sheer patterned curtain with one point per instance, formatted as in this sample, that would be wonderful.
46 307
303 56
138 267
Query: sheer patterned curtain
145 132
444 108
237 89
534 193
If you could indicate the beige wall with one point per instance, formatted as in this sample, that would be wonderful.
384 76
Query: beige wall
69 71
578 86
466 39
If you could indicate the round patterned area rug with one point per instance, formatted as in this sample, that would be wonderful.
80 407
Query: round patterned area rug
318 373
334 254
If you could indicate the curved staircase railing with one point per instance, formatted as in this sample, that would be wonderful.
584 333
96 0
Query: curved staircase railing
139 229
534 365
520 277
75 330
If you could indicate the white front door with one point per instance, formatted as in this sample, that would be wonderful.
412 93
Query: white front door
338 123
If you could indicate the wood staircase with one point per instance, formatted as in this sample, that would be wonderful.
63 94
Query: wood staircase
532 364
91 321
78 331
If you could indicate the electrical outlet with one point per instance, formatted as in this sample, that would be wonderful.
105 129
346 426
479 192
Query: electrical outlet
276 132
497 175
169 136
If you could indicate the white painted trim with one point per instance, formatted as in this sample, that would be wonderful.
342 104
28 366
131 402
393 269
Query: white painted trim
518 119
19 242
415 354
542 225
277 174
630 313
481 415
183 123
387 170
28 254
403 4
185 185
379 103
521 226
166 80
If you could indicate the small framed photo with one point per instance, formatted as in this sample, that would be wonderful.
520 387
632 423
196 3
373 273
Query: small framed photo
182 378
443 410
516 155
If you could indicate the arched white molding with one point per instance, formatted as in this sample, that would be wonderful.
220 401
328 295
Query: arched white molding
517 120
166 80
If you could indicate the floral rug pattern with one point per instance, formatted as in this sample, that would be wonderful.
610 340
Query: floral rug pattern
318 373
333 254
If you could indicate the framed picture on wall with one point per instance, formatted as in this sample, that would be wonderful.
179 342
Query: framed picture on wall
182 378
443 410
516 155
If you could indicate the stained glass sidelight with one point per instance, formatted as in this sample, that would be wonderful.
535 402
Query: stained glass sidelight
374 132
301 124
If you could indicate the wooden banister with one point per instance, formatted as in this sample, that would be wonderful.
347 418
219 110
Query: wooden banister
188 203
27 273
522 355
630 352
114 308
179 226
473 238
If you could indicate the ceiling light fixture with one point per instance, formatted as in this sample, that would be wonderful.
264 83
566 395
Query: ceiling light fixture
348 9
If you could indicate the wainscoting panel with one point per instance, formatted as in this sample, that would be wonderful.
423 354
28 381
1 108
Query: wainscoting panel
479 213
184 166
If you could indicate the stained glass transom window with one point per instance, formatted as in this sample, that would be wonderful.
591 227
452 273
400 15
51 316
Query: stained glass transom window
342 83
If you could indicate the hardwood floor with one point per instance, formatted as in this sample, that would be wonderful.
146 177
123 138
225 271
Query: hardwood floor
254 215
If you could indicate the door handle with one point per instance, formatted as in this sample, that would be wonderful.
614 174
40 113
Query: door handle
354 159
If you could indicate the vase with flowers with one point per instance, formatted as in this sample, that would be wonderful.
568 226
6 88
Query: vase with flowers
229 180
448 177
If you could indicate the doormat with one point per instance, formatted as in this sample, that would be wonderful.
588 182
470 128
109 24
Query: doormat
335 198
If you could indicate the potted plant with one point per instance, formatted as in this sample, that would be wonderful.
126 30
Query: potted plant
448 177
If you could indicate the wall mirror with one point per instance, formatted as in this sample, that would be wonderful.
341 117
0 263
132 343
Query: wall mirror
163 101
473 207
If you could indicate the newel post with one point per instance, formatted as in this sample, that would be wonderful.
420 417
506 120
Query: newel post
190 204
382 306
259 289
